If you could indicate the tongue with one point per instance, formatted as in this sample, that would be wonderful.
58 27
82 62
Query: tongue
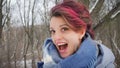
62 47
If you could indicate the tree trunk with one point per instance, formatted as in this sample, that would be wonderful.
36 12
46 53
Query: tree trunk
86 2
1 28
1 24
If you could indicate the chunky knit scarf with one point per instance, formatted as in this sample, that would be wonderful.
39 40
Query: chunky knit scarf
84 57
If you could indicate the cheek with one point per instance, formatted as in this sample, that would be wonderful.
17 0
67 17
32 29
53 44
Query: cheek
53 41
73 47
74 41
75 38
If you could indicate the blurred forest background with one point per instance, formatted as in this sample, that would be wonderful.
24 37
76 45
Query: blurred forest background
24 26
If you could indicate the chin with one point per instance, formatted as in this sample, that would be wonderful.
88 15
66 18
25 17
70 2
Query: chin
65 56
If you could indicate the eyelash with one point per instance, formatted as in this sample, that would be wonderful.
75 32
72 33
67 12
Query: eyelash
52 31
62 29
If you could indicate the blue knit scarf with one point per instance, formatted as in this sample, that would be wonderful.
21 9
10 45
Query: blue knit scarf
85 56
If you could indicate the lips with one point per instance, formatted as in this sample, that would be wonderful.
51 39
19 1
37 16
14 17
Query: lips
62 47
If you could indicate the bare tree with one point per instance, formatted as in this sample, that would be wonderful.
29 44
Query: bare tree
1 23
29 30
26 29
32 36
4 18
1 28
106 24
8 32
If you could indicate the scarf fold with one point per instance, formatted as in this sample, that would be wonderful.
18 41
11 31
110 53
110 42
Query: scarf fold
85 56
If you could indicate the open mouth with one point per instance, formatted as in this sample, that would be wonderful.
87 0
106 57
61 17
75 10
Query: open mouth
62 47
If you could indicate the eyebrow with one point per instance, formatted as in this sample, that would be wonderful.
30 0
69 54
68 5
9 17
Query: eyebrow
60 26
63 25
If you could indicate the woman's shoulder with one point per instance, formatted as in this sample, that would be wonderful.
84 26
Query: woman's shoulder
105 57
106 52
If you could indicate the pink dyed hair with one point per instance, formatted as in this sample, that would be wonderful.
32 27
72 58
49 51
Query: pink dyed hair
75 13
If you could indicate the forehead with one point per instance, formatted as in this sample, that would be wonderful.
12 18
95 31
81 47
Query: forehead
57 21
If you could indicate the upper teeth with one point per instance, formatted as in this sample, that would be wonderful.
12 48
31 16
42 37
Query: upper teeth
60 44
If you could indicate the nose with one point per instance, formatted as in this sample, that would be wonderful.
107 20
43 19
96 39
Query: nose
57 36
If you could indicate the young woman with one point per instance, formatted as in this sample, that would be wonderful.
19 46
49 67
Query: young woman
71 44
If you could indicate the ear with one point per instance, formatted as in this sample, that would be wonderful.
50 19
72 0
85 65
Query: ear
82 32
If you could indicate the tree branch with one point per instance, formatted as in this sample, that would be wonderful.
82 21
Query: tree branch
113 41
108 16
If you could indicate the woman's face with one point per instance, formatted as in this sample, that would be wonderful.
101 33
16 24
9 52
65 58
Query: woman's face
65 39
